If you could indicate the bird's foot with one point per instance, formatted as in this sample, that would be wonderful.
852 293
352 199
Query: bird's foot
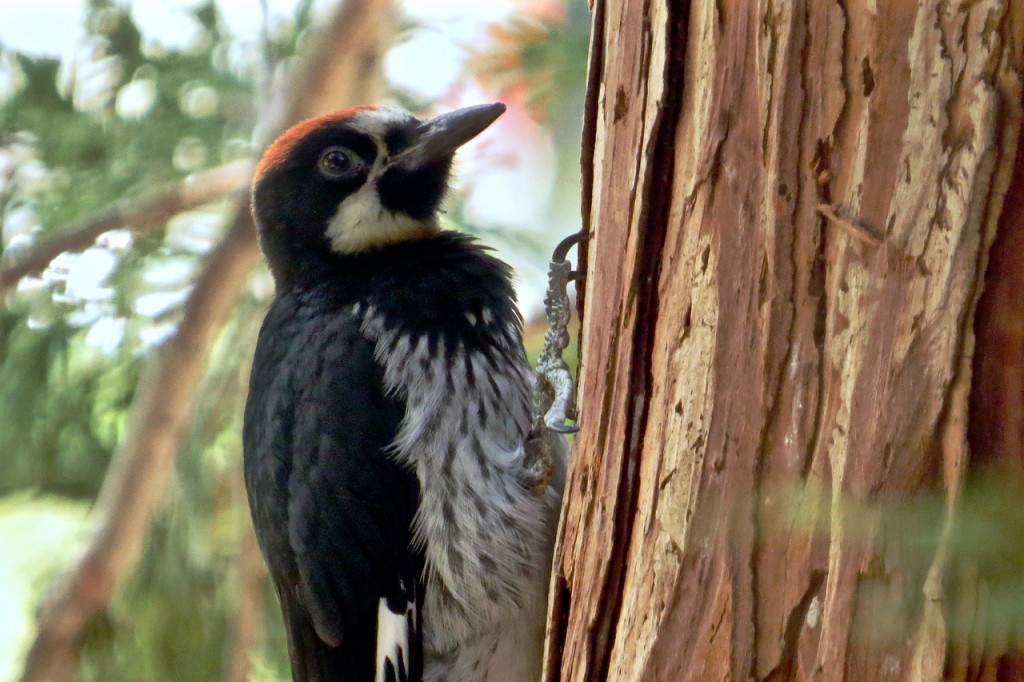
539 460
554 392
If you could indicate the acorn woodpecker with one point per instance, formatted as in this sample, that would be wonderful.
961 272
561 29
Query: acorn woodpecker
387 430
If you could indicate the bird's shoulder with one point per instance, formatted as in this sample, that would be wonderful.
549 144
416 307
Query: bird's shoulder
307 342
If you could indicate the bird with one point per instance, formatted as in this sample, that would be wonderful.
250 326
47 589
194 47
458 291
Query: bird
389 459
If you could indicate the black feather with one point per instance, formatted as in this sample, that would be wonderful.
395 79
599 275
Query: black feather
332 510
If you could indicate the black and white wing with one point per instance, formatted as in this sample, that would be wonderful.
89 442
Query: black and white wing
332 510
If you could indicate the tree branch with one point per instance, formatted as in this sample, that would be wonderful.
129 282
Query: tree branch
247 625
141 214
160 413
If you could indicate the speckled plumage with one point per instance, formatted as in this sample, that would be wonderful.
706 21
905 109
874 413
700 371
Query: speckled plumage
385 436
486 536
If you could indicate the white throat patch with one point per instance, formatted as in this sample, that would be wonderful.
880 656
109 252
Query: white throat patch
361 223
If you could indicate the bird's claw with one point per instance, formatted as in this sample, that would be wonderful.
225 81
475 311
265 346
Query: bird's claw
554 393
562 427
562 249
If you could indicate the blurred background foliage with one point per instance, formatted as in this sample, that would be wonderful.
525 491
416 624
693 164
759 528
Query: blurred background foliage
129 103
123 109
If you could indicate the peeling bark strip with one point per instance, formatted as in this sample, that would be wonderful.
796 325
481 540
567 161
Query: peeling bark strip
996 418
631 116
805 194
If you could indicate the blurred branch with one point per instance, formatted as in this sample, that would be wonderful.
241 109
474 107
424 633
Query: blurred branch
160 412
350 72
141 214
246 628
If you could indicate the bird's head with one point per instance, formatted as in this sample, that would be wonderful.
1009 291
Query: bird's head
356 180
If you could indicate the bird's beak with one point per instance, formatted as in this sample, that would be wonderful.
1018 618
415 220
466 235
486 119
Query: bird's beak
440 137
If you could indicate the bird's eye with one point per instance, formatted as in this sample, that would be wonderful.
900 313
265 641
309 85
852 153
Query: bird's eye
335 162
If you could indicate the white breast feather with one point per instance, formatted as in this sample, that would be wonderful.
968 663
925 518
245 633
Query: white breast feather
486 536
479 524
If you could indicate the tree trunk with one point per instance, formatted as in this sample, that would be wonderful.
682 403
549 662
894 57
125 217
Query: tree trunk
806 194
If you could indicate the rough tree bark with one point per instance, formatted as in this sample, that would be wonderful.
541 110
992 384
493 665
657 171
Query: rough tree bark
805 194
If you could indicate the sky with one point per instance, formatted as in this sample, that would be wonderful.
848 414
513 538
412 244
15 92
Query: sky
51 26
425 62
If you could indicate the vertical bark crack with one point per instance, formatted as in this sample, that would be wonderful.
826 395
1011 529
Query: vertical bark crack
654 225
591 112
786 668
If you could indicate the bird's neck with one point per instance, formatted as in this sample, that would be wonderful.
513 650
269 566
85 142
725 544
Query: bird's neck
435 275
